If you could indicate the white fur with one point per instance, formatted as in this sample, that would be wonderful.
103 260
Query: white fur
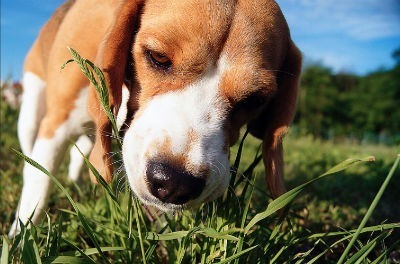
123 110
48 153
85 145
171 116
32 110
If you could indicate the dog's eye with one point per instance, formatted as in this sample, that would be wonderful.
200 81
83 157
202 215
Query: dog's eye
254 101
159 60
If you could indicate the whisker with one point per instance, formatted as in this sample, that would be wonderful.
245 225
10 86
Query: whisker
120 184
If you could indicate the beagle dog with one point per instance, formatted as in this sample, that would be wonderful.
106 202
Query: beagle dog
196 72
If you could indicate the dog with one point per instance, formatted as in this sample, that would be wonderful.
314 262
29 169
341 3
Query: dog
196 72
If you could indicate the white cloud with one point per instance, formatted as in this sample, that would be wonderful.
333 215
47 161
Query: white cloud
359 19
357 35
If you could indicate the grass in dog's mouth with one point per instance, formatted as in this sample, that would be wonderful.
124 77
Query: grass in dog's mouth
109 225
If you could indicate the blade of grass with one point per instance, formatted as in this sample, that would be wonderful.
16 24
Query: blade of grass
91 251
16 241
135 209
288 197
348 235
4 251
237 159
237 255
66 259
376 228
363 252
30 251
211 232
239 245
81 217
165 237
79 252
90 70
99 178
370 210
49 228
279 253
385 253
235 170
184 243
248 173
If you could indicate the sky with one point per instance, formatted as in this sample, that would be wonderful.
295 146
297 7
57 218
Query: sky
356 36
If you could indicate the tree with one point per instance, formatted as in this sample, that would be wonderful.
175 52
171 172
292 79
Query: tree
345 104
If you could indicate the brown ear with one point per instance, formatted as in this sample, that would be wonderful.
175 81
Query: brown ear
276 118
112 58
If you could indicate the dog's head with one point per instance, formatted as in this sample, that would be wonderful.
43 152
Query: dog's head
197 72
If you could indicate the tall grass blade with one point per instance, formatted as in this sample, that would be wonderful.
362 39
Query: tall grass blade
49 228
91 251
30 251
237 159
211 232
81 217
239 245
96 77
385 253
370 210
288 197
237 255
136 208
66 260
363 252
165 237
368 229
184 243
99 178
16 241
78 252
4 251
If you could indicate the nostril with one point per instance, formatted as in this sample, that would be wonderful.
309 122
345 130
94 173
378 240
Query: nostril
172 185
160 192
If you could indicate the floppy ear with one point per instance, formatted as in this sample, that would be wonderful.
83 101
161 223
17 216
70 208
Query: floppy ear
275 119
112 58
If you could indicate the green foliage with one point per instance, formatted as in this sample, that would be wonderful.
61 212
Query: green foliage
222 231
348 106
101 229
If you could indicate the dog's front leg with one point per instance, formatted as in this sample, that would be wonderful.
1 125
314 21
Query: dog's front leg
36 185
83 146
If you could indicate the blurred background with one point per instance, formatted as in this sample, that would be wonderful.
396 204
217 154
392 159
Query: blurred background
349 104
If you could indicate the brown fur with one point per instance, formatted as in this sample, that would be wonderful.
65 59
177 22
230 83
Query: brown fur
50 52
253 35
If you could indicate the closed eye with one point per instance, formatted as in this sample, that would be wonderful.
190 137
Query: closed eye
158 60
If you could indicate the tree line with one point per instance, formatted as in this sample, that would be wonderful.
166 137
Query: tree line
348 106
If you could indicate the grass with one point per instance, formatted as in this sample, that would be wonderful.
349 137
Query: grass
106 224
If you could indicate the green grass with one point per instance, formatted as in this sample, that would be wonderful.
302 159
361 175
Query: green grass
106 224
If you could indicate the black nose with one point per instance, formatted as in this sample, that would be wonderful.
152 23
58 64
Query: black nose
172 185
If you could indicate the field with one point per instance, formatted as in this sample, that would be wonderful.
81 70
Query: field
100 225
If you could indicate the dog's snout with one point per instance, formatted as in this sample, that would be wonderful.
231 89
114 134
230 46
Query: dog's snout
173 185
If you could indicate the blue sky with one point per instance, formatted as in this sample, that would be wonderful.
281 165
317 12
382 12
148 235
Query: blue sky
357 36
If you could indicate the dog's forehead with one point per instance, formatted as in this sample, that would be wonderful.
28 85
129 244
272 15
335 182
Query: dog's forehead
197 34
183 24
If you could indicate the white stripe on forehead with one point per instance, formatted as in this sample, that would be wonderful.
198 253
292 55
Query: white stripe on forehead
197 106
